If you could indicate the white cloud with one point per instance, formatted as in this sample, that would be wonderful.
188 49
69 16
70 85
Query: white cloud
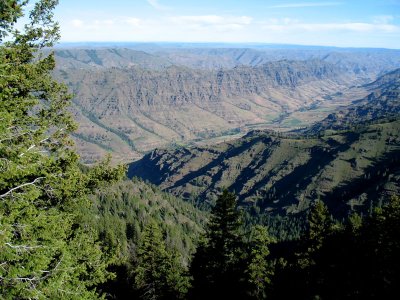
284 21
294 25
103 22
381 31
133 21
77 23
213 21
384 19
95 25
108 22
306 4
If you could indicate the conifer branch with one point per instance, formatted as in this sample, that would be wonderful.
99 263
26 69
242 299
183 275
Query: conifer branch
21 186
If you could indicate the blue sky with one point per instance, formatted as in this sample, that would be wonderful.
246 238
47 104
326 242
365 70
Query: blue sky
346 23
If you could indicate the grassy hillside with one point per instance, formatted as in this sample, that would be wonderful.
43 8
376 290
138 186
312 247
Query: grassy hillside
282 174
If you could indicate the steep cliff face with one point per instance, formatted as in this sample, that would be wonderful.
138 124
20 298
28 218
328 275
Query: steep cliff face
177 85
139 109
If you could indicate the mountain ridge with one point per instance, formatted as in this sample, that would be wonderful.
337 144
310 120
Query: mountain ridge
352 167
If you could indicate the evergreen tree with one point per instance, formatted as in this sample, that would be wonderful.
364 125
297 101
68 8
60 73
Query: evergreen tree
158 274
46 251
379 237
361 260
357 261
216 265
259 270
299 276
319 227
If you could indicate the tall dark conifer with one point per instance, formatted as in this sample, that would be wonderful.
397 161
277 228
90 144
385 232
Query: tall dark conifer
158 272
215 267
259 269
319 227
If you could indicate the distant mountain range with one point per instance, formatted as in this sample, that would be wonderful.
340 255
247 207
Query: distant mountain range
128 102
102 58
212 58
359 61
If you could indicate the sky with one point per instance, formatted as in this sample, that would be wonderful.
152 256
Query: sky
342 23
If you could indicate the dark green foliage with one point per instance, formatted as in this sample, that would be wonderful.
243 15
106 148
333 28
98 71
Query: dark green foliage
10 11
46 248
158 273
222 232
123 210
122 214
319 227
259 267
230 262
356 261
283 228
215 266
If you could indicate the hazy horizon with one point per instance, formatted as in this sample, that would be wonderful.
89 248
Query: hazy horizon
206 44
355 24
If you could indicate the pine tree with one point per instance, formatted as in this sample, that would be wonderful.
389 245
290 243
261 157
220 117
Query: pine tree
223 233
46 251
357 261
158 273
259 270
379 238
319 227
306 272
216 264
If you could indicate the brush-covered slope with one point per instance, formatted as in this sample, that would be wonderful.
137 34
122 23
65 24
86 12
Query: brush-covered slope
283 174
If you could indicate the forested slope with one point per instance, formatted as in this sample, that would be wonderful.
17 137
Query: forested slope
125 216
121 211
